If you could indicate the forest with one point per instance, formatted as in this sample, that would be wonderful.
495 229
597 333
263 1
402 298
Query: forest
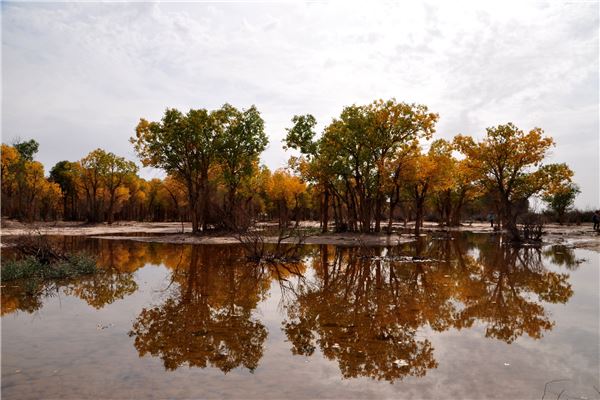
372 165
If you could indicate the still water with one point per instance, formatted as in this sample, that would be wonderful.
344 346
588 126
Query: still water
445 317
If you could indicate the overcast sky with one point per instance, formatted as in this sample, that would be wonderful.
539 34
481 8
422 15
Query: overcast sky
79 76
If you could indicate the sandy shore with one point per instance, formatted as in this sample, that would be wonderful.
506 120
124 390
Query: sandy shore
577 236
348 239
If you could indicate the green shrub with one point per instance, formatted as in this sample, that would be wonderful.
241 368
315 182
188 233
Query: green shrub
20 269
31 268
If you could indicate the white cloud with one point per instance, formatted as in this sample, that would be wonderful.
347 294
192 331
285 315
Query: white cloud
79 76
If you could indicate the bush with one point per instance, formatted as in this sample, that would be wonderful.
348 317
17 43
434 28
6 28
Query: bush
32 268
19 269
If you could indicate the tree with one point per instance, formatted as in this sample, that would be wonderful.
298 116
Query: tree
429 172
392 127
508 164
286 191
27 149
184 145
174 190
313 165
90 176
10 159
352 157
103 177
64 173
456 185
26 194
561 199
116 170
241 141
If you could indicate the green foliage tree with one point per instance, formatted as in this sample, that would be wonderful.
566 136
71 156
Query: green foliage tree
561 199
352 157
242 140
27 149
184 145
64 173
188 146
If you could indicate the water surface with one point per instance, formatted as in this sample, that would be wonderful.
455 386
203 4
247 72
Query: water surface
445 317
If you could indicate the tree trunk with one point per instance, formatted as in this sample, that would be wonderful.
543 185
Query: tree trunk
418 217
204 203
110 209
391 216
455 219
378 201
325 211
510 221
193 206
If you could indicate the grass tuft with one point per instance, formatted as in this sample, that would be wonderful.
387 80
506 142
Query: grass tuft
32 268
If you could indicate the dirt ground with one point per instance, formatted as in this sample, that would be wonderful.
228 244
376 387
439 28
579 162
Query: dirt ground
576 236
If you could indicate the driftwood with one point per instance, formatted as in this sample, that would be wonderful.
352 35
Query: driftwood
286 248
38 246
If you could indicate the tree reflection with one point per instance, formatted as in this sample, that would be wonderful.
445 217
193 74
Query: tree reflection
365 307
507 289
368 309
207 319
357 313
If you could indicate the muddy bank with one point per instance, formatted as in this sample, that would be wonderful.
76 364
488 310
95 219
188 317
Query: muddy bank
348 239
576 236
10 227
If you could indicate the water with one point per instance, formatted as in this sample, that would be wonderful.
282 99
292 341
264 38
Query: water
445 317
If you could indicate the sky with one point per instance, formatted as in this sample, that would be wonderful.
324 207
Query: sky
78 76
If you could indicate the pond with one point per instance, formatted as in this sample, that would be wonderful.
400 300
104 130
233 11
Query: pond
459 316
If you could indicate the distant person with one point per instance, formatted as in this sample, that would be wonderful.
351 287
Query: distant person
596 220
491 218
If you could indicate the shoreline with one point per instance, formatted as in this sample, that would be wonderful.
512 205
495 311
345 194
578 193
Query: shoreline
575 236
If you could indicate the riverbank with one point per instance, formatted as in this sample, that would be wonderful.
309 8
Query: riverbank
576 236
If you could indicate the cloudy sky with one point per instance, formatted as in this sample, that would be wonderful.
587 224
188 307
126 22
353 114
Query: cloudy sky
79 76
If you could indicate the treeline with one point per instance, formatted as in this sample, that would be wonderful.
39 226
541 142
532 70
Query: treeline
366 169
102 187
370 161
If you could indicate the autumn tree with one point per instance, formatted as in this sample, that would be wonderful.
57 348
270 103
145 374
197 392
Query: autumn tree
174 191
26 193
286 191
392 126
355 149
116 170
508 163
103 177
429 172
456 184
10 158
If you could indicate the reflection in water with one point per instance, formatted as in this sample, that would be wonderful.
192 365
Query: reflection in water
507 285
118 262
364 308
357 313
364 311
207 319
